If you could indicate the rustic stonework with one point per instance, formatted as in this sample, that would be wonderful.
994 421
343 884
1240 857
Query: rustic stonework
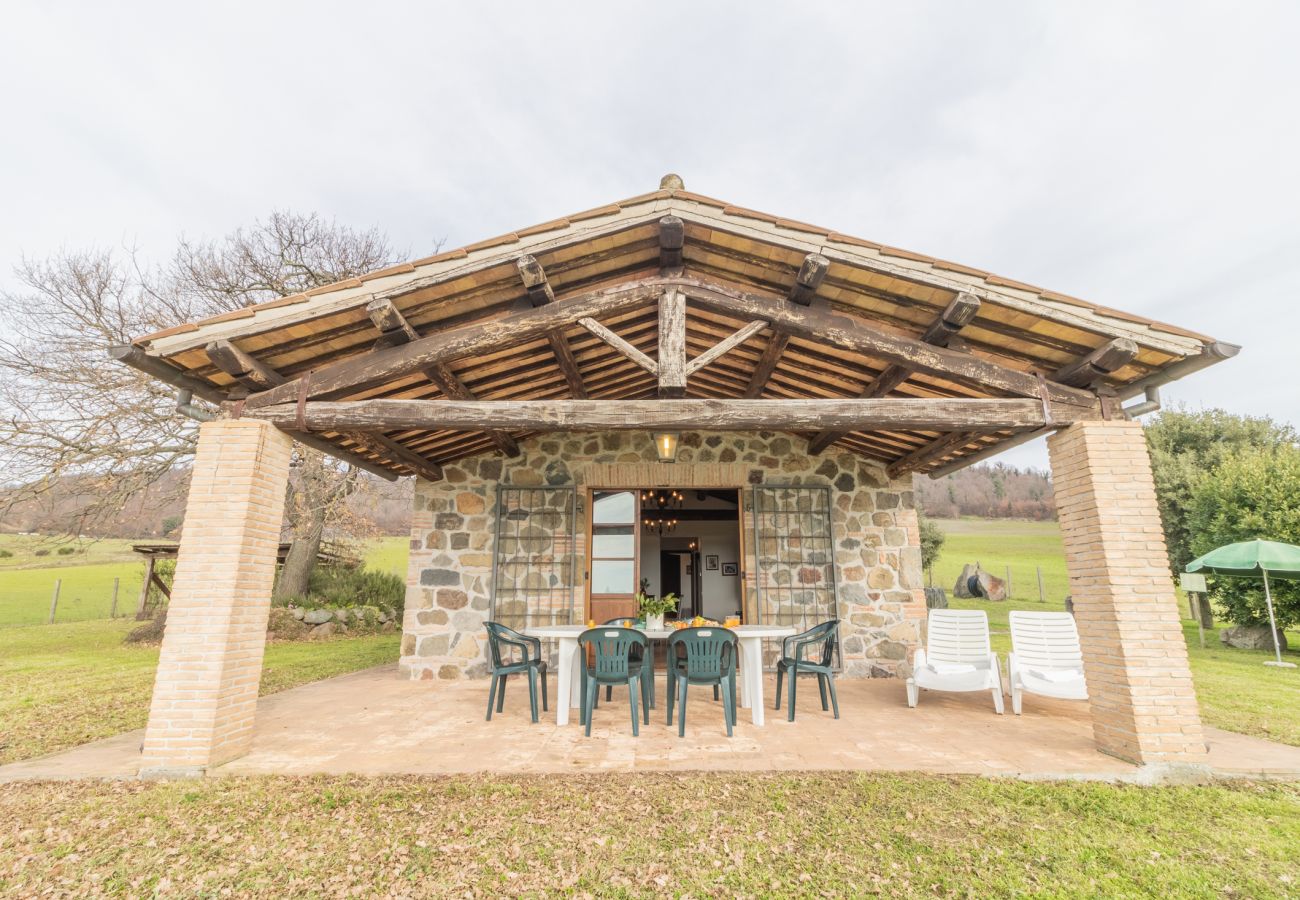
874 530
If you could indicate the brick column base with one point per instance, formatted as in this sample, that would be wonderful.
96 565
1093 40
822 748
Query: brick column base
205 691
1135 658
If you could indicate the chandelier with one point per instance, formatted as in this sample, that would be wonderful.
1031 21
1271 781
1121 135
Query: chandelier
657 506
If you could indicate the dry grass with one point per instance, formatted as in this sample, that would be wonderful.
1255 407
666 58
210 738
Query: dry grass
764 835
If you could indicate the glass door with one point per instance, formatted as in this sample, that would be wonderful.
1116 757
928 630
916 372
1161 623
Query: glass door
614 555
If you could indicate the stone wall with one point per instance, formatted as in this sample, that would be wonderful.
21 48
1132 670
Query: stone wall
874 532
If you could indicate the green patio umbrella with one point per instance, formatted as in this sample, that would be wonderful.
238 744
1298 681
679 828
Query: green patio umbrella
1255 558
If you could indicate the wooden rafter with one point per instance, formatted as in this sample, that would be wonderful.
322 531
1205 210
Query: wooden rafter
620 344
941 333
849 332
1090 369
626 414
541 294
726 345
935 450
672 238
379 366
811 275
396 330
254 373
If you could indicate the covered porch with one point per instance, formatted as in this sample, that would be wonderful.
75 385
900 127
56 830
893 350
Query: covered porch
808 374
375 723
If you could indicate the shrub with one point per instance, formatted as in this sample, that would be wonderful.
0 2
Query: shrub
42 552
1187 447
1251 494
932 538
338 586
5 554
170 524
67 551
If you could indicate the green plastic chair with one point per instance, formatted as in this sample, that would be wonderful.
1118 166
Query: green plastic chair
638 657
612 650
702 656
793 651
502 644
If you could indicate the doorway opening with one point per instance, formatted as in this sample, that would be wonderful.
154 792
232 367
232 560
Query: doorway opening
684 541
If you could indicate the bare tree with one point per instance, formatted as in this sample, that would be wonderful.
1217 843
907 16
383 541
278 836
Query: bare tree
72 422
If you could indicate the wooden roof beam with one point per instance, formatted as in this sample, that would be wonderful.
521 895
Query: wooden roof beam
620 345
858 335
672 344
392 325
376 367
382 445
811 275
252 373
726 345
1091 368
941 333
396 330
672 238
717 415
936 449
541 294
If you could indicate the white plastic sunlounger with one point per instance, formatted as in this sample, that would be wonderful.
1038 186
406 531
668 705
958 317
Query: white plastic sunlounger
1045 657
956 656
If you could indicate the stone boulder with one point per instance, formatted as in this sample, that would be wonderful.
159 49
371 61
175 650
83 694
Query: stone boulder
321 631
975 583
1251 637
317 616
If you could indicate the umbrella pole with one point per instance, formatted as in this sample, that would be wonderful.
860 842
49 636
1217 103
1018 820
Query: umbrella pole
1272 623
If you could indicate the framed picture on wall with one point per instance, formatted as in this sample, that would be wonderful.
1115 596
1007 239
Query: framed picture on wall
730 569
711 562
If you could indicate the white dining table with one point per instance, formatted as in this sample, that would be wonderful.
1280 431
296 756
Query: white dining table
749 638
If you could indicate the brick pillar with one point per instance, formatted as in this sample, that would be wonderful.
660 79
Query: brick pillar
1135 658
205 692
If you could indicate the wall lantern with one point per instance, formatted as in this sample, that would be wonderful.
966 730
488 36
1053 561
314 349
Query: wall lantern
666 446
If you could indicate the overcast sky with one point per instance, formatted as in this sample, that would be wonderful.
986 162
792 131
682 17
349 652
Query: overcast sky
1144 158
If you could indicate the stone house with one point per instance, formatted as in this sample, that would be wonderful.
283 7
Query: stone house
675 393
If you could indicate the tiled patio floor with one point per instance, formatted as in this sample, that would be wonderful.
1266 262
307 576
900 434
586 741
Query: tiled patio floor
372 723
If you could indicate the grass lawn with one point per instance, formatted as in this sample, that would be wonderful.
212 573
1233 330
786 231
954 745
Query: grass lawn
64 685
1236 691
800 835
27 580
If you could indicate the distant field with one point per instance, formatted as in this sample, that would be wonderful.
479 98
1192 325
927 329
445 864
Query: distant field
27 580
1236 691
1024 546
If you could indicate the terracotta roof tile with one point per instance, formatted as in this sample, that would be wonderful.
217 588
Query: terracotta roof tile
510 238
836 238
284 301
958 267
597 213
794 225
699 198
999 281
167 332
749 214
246 313
459 252
331 288
399 269
553 225
905 254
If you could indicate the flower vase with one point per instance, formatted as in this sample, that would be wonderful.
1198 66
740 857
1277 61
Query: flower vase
654 623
